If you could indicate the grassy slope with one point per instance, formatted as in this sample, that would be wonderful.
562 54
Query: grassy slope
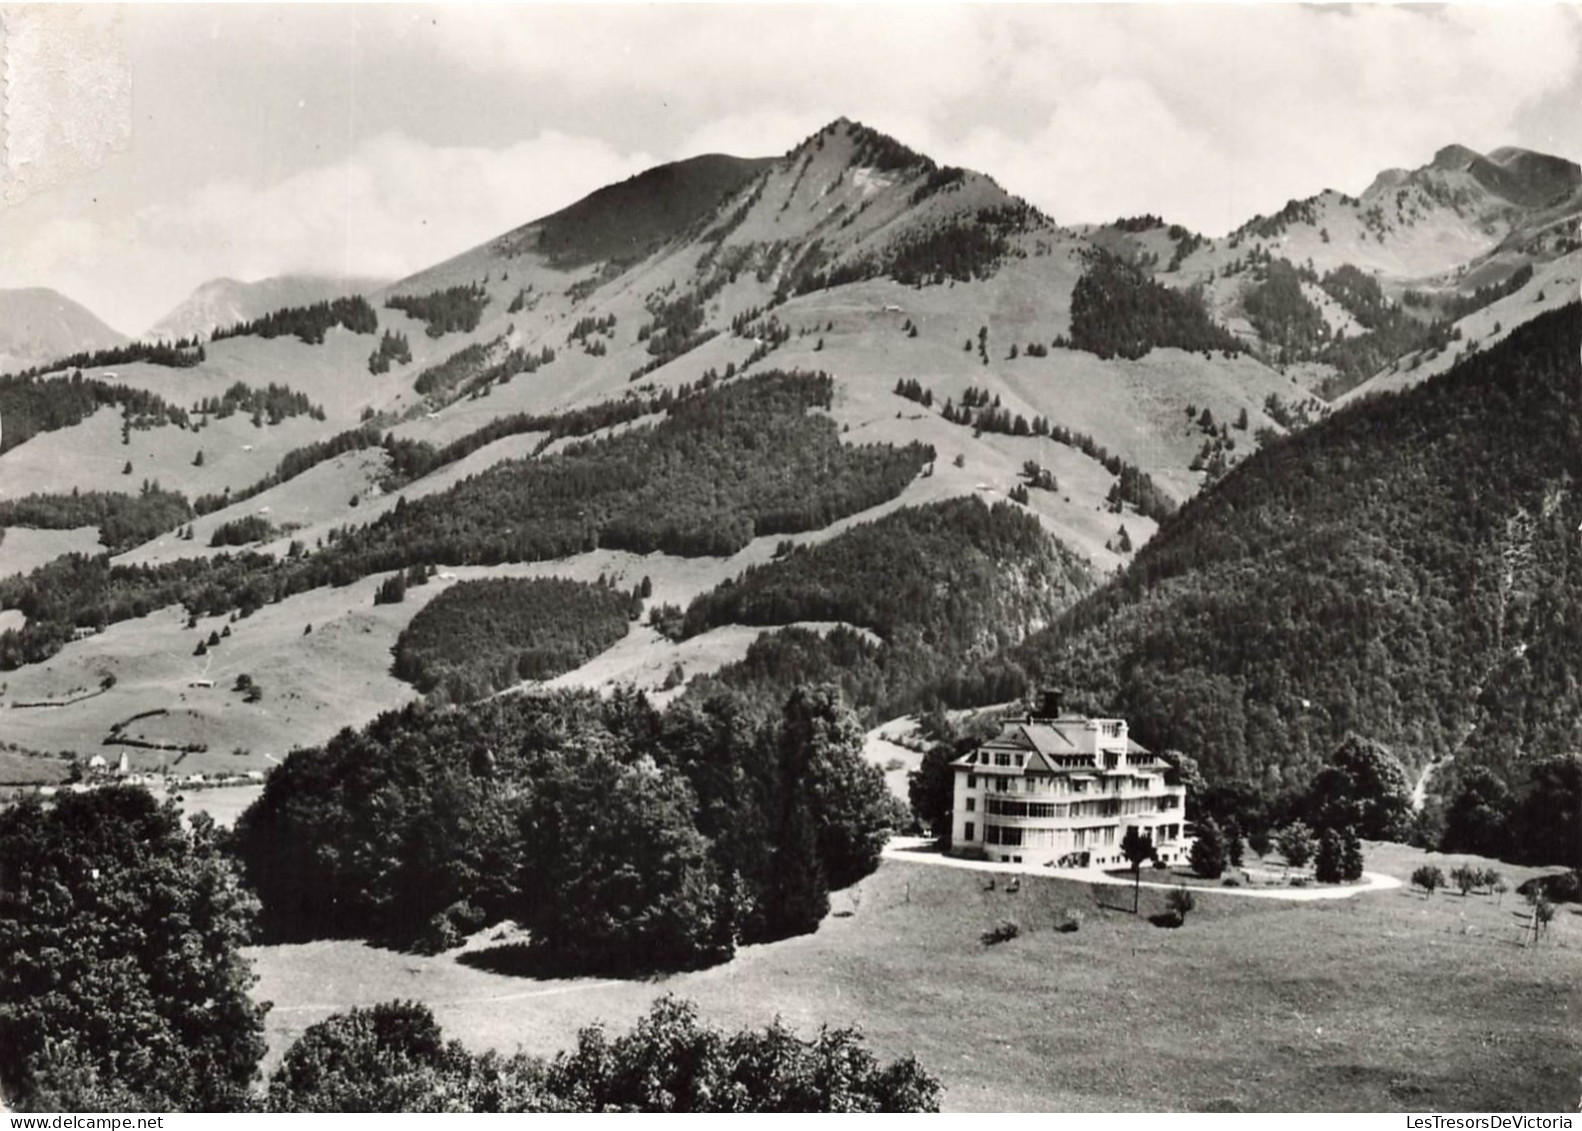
1387 1002
1556 281
24 550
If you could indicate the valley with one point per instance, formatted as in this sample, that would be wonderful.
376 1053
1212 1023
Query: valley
573 621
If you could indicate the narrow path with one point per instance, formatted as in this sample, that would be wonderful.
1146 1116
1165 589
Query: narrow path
920 850
1420 790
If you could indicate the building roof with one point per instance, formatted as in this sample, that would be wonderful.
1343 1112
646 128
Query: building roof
1040 739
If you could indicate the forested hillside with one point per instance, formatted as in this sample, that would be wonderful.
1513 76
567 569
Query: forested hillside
744 460
481 636
942 586
1407 569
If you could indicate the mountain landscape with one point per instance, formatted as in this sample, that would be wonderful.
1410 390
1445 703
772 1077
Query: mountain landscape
735 428
219 303
38 325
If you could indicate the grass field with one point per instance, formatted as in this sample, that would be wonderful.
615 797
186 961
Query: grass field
1390 1001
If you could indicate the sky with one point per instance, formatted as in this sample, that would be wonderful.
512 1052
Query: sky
152 147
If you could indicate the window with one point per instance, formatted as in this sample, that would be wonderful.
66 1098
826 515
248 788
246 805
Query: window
972 804
971 831
1011 837
991 834
1016 860
972 781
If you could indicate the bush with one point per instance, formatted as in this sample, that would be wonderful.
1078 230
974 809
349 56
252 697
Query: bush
1208 850
1296 844
1429 878
393 1058
1004 932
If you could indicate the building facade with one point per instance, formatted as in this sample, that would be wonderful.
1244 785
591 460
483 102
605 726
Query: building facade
1062 790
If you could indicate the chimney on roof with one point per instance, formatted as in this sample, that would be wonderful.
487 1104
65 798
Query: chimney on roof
1049 703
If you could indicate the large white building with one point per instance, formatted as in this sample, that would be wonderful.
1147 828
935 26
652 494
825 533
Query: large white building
1062 790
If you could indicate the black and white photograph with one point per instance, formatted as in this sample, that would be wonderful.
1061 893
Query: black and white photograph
866 557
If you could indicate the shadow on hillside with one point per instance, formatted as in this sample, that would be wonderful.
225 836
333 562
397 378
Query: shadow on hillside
522 960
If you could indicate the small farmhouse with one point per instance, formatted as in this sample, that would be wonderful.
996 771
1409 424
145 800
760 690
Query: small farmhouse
1061 789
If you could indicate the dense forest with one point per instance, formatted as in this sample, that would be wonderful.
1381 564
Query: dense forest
130 988
30 405
943 586
124 987
623 840
1405 569
1118 311
743 460
308 323
479 637
444 311
124 521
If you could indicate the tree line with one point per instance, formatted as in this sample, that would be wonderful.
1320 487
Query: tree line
451 309
308 323
124 521
183 353
31 405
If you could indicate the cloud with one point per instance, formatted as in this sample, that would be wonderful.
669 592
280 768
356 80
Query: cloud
392 207
712 58
1207 114
1201 113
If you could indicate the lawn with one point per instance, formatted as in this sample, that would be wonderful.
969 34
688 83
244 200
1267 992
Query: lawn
1389 1001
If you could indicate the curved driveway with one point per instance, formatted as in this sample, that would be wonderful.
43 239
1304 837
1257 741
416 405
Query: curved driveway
921 850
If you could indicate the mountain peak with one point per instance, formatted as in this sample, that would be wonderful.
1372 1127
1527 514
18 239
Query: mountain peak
1516 176
1455 157
38 324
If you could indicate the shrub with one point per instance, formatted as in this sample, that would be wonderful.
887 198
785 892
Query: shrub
1296 844
1327 869
1004 932
1429 878
1208 850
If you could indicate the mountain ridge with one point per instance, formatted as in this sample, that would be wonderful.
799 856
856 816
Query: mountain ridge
225 301
38 324
944 310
